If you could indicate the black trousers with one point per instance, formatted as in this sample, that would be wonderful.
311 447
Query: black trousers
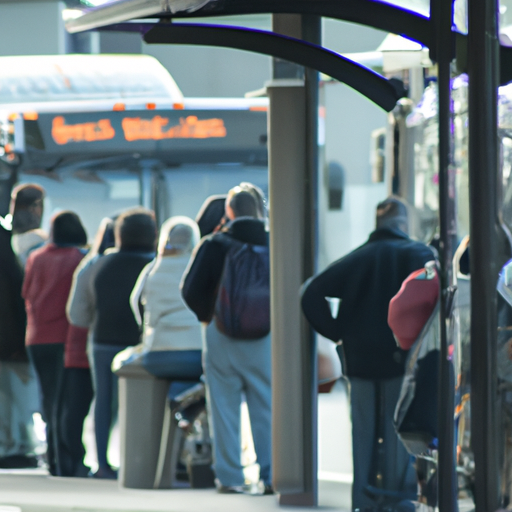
48 362
73 405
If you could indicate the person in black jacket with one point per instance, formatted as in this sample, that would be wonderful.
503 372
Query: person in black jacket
233 367
348 303
109 316
18 387
12 313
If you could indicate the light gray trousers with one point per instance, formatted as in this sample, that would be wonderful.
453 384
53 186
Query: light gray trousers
233 369
396 464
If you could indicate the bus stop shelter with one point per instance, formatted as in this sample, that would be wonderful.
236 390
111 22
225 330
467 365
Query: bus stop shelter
293 174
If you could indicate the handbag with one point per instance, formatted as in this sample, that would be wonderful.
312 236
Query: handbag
415 417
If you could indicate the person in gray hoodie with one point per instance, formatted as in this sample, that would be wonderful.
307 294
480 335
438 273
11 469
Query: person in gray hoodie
171 335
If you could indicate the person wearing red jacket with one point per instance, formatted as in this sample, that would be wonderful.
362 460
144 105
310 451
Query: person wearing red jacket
73 403
48 275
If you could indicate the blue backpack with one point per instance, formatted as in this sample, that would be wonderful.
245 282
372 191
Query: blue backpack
242 308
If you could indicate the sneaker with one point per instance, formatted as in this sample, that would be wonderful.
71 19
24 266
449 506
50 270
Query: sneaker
82 471
268 489
230 489
105 473
259 488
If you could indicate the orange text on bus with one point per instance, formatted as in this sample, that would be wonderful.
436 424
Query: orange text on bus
63 133
189 127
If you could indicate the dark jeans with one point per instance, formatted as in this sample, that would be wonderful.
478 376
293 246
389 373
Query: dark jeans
73 406
48 362
174 364
373 405
105 407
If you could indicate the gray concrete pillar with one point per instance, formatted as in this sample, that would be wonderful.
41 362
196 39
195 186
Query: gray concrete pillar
292 193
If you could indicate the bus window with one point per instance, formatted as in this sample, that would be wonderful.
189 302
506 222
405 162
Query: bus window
336 185
378 155
189 185
92 194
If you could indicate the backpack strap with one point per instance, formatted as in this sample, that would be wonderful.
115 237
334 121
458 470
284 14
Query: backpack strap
228 242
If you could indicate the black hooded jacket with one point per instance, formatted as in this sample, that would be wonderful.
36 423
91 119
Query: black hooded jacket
12 307
365 280
202 277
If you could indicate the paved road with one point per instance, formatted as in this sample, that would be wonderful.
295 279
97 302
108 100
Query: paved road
34 491
334 447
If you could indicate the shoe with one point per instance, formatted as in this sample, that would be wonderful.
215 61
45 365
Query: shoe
105 473
232 489
82 471
259 488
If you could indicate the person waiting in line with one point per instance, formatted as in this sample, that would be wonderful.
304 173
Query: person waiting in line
26 214
108 314
82 292
258 194
171 335
73 404
18 389
46 286
21 230
212 217
348 302
233 365
75 401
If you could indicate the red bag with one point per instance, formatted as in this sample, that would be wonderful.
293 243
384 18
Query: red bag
412 306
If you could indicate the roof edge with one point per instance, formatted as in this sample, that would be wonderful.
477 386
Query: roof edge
125 10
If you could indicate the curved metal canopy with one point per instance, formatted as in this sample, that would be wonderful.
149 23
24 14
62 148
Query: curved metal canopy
373 13
383 92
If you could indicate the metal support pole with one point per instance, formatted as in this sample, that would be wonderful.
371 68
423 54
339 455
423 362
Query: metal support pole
483 70
442 16
293 175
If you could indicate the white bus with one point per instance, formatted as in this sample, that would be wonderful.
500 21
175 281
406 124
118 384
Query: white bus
105 132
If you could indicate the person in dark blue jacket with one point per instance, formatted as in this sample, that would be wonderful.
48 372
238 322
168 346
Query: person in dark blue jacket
106 311
348 303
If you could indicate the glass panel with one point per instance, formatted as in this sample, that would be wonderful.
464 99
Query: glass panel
460 14
505 21
419 6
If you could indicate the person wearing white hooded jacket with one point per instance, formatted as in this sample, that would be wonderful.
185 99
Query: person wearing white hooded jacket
168 325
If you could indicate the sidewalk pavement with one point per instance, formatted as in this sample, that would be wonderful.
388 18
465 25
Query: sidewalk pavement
35 491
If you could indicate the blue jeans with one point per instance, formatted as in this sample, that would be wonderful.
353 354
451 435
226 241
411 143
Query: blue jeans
174 364
233 369
105 407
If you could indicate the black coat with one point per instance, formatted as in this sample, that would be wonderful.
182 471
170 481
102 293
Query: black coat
114 277
12 307
202 277
365 280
